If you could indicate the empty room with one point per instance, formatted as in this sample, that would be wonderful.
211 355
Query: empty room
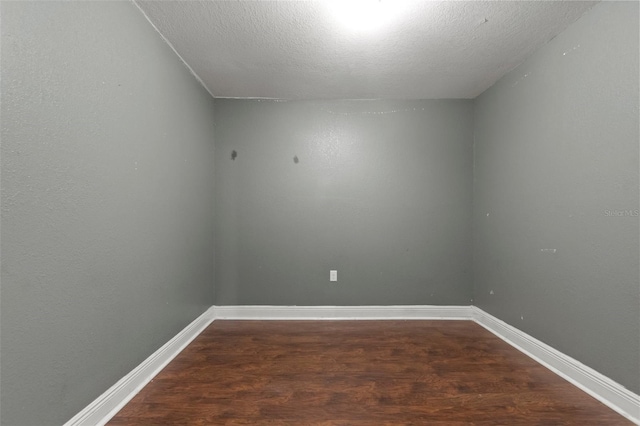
365 212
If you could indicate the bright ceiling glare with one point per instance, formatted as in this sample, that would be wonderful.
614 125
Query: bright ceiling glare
365 16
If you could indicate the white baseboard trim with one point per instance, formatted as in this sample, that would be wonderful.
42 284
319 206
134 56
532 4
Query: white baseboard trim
100 411
400 312
602 388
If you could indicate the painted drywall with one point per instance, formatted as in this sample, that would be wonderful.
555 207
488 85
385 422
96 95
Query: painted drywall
107 206
556 194
378 190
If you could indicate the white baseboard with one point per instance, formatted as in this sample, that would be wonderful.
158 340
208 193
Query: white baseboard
605 390
100 411
400 312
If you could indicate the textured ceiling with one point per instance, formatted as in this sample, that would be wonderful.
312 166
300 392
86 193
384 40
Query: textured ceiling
302 50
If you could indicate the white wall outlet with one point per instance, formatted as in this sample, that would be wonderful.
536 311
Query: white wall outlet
333 275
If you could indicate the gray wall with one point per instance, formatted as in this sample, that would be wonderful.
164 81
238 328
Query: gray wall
381 192
556 163
107 230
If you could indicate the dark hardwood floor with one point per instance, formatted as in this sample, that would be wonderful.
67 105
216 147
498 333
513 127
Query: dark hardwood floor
358 373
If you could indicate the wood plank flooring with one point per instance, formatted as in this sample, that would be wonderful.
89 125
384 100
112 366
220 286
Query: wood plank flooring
358 373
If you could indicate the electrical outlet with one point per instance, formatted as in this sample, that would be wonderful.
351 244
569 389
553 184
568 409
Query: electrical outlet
333 275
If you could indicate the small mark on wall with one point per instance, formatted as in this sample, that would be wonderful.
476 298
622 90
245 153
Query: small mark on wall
571 50
295 159
234 155
484 21
491 292
520 79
